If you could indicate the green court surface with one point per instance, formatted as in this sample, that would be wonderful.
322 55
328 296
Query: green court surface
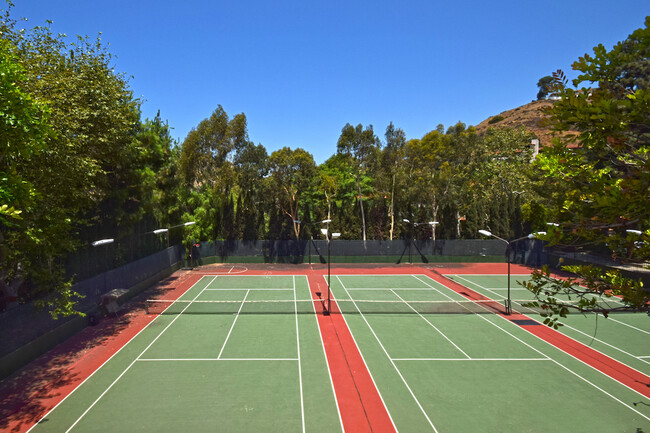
203 371
622 336
248 365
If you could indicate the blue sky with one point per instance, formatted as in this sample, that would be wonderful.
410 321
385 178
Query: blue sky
301 70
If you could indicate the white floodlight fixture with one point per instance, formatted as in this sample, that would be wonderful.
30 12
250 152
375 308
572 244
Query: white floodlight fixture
634 232
485 233
324 232
103 242
326 221
405 220
189 223
159 231
335 235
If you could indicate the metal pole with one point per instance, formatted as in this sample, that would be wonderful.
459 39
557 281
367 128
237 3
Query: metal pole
508 305
329 298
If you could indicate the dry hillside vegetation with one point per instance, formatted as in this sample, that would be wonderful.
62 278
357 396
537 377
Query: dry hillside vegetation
528 115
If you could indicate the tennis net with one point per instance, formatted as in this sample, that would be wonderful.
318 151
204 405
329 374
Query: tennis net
347 306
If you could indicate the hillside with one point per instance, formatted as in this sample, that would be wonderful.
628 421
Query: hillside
528 115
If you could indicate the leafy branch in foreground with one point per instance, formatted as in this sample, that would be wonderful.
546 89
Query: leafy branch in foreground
596 182
594 292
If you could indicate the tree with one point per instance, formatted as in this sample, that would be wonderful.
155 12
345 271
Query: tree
597 181
361 146
85 166
543 85
292 172
390 170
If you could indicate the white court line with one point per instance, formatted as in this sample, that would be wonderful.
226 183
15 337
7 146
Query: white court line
640 358
581 332
433 326
134 361
471 359
389 289
399 373
213 359
251 289
104 363
233 324
611 299
302 401
322 345
557 362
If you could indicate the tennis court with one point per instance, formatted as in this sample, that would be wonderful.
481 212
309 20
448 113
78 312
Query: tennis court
403 349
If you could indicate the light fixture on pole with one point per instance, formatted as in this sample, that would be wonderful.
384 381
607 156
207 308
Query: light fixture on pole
161 231
102 242
433 225
508 243
327 310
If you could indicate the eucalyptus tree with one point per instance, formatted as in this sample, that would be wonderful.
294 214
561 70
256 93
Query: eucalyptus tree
292 173
361 146
597 180
251 168
389 176
207 167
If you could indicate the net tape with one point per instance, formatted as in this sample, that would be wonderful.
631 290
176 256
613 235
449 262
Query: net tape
347 306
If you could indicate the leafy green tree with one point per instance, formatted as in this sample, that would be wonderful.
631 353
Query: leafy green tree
598 180
362 147
505 176
91 168
291 175
390 171
543 85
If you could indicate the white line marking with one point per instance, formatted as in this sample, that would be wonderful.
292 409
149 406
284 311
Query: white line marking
134 361
233 324
563 366
471 359
302 401
434 327
605 343
213 359
578 342
252 290
329 372
389 358
104 363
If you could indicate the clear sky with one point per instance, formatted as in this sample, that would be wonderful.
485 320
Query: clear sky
300 70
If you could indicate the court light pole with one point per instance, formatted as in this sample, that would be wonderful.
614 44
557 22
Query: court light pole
433 225
325 232
508 243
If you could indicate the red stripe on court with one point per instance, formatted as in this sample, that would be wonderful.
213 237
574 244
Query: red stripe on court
361 407
37 389
616 370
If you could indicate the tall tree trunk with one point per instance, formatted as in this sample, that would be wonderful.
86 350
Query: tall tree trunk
391 210
363 217
434 208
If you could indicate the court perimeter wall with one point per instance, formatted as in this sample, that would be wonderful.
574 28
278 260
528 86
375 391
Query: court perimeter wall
529 252
27 332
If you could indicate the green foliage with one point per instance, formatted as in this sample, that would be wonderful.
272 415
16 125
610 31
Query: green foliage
544 85
597 181
495 119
